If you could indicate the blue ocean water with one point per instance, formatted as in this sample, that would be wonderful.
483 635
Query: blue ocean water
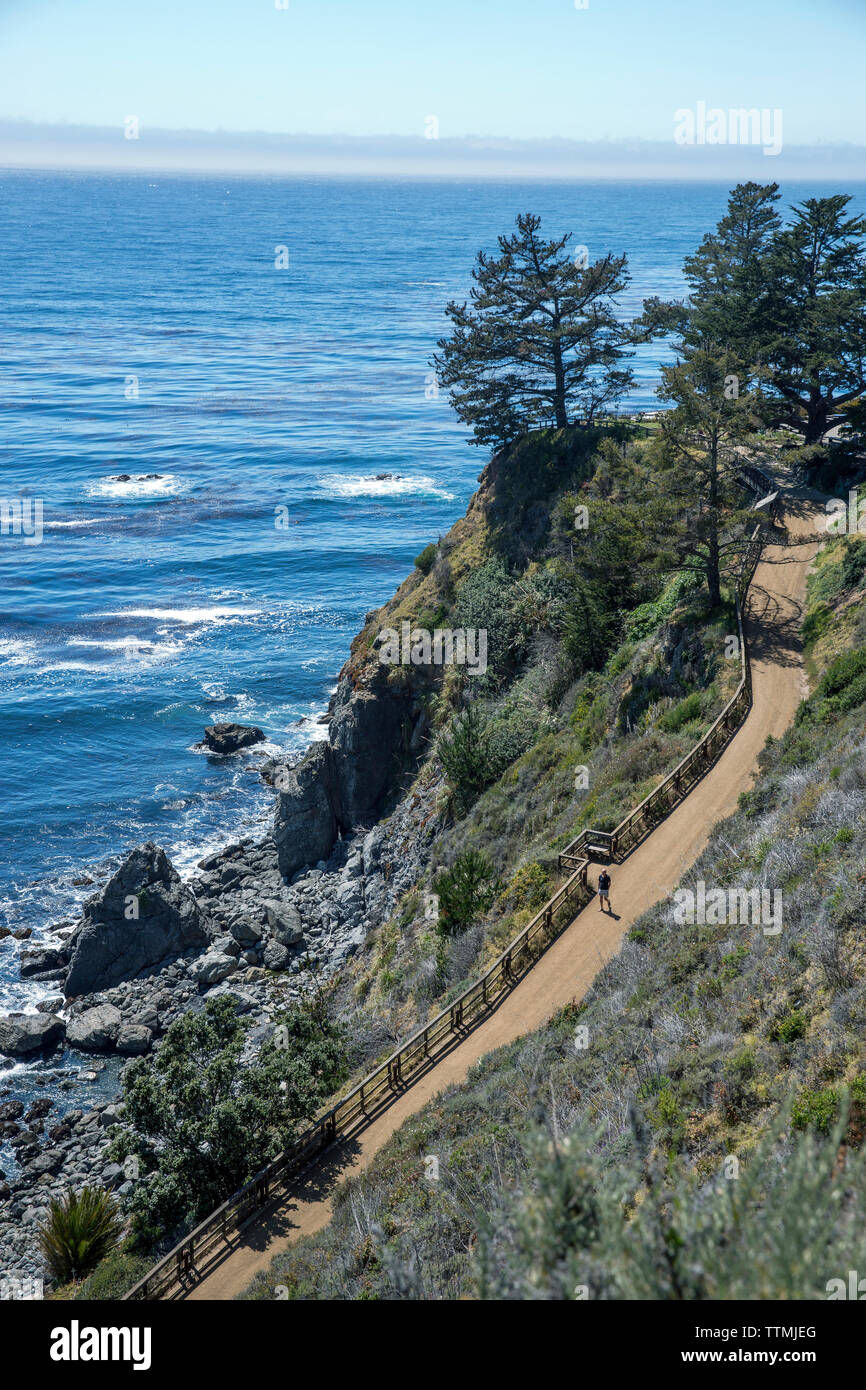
147 330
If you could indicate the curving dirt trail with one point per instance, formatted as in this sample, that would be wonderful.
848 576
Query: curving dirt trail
568 967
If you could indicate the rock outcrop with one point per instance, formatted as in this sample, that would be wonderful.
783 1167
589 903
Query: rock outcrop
143 916
21 1034
230 738
373 735
306 820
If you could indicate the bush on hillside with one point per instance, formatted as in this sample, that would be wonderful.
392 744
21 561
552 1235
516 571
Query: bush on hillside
200 1125
465 891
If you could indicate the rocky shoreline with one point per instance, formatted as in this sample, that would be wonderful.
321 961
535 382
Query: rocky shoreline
263 921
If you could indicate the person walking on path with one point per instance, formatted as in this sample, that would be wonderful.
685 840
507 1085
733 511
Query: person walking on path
604 890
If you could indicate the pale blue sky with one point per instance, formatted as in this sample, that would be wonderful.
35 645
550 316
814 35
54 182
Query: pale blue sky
510 68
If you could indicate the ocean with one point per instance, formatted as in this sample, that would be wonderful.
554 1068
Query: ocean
203 382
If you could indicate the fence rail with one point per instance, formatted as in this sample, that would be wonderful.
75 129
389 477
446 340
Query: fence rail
178 1269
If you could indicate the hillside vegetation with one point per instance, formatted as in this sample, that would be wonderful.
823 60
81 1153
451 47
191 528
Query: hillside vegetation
694 1128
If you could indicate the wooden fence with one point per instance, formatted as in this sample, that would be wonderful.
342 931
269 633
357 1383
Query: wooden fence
182 1266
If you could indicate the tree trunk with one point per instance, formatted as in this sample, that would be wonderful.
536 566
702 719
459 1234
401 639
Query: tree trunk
816 417
559 410
714 582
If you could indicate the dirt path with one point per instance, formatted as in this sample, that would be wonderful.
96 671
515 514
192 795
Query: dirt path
569 966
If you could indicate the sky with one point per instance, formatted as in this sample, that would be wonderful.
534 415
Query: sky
513 69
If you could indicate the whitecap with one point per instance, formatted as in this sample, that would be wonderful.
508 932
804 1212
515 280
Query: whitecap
137 485
215 614
394 485
111 644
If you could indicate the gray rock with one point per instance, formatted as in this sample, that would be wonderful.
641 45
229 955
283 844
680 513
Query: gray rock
246 933
164 920
95 1030
214 967
51 1004
42 961
277 957
305 820
134 1039
354 866
48 1162
21 1034
285 923
229 738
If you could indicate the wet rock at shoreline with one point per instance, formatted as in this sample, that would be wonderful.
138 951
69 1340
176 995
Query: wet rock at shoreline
144 915
231 738
22 1034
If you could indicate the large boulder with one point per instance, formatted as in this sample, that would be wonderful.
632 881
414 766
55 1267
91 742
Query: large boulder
95 1030
285 923
133 1039
21 1034
142 917
305 821
43 962
230 738
276 957
214 967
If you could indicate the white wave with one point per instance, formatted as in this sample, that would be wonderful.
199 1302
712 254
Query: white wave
64 525
217 613
114 643
136 653
17 651
392 485
137 485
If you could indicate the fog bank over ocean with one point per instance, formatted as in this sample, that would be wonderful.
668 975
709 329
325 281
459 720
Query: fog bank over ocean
67 146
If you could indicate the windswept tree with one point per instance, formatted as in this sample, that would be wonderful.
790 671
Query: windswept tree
816 314
540 343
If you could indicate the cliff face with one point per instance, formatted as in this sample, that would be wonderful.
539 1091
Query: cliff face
375 735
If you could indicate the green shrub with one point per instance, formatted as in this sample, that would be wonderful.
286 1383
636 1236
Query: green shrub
814 1109
529 887
465 891
685 712
80 1229
114 1276
841 688
816 622
201 1125
426 560
464 751
790 1027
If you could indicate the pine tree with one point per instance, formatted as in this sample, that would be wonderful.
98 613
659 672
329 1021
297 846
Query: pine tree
700 447
540 343
815 312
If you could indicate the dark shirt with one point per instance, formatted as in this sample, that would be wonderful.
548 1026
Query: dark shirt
604 880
